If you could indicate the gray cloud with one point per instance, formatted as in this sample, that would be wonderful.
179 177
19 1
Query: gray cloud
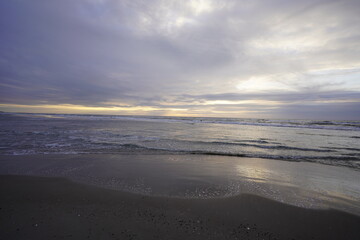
168 54
277 96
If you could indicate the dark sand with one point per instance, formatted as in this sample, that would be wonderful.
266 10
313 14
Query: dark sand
56 208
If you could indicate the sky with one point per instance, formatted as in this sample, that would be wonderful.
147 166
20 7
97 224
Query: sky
209 58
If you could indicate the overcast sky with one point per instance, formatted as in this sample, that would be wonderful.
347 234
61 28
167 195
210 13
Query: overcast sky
261 59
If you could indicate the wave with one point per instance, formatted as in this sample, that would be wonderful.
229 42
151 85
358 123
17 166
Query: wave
106 144
344 148
347 160
221 153
240 143
276 147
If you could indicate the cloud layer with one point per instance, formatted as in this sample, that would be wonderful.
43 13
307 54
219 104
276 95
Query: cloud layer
288 59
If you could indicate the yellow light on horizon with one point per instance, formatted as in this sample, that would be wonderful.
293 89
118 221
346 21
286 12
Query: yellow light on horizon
74 109
81 108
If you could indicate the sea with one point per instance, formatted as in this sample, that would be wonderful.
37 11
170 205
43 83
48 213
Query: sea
306 163
335 143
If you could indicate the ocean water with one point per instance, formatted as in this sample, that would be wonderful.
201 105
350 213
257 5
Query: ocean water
334 143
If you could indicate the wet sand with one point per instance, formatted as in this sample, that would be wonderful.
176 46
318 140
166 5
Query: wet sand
56 208
306 185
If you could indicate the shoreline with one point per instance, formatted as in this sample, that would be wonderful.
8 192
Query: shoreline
307 185
57 208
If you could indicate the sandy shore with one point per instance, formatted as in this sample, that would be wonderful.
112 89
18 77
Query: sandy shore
56 208
301 184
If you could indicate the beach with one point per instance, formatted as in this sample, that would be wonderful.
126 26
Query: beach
114 177
55 208
79 197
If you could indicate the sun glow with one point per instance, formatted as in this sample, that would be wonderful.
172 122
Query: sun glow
70 108
261 84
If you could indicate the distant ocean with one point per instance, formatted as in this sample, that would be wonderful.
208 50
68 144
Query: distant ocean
327 142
